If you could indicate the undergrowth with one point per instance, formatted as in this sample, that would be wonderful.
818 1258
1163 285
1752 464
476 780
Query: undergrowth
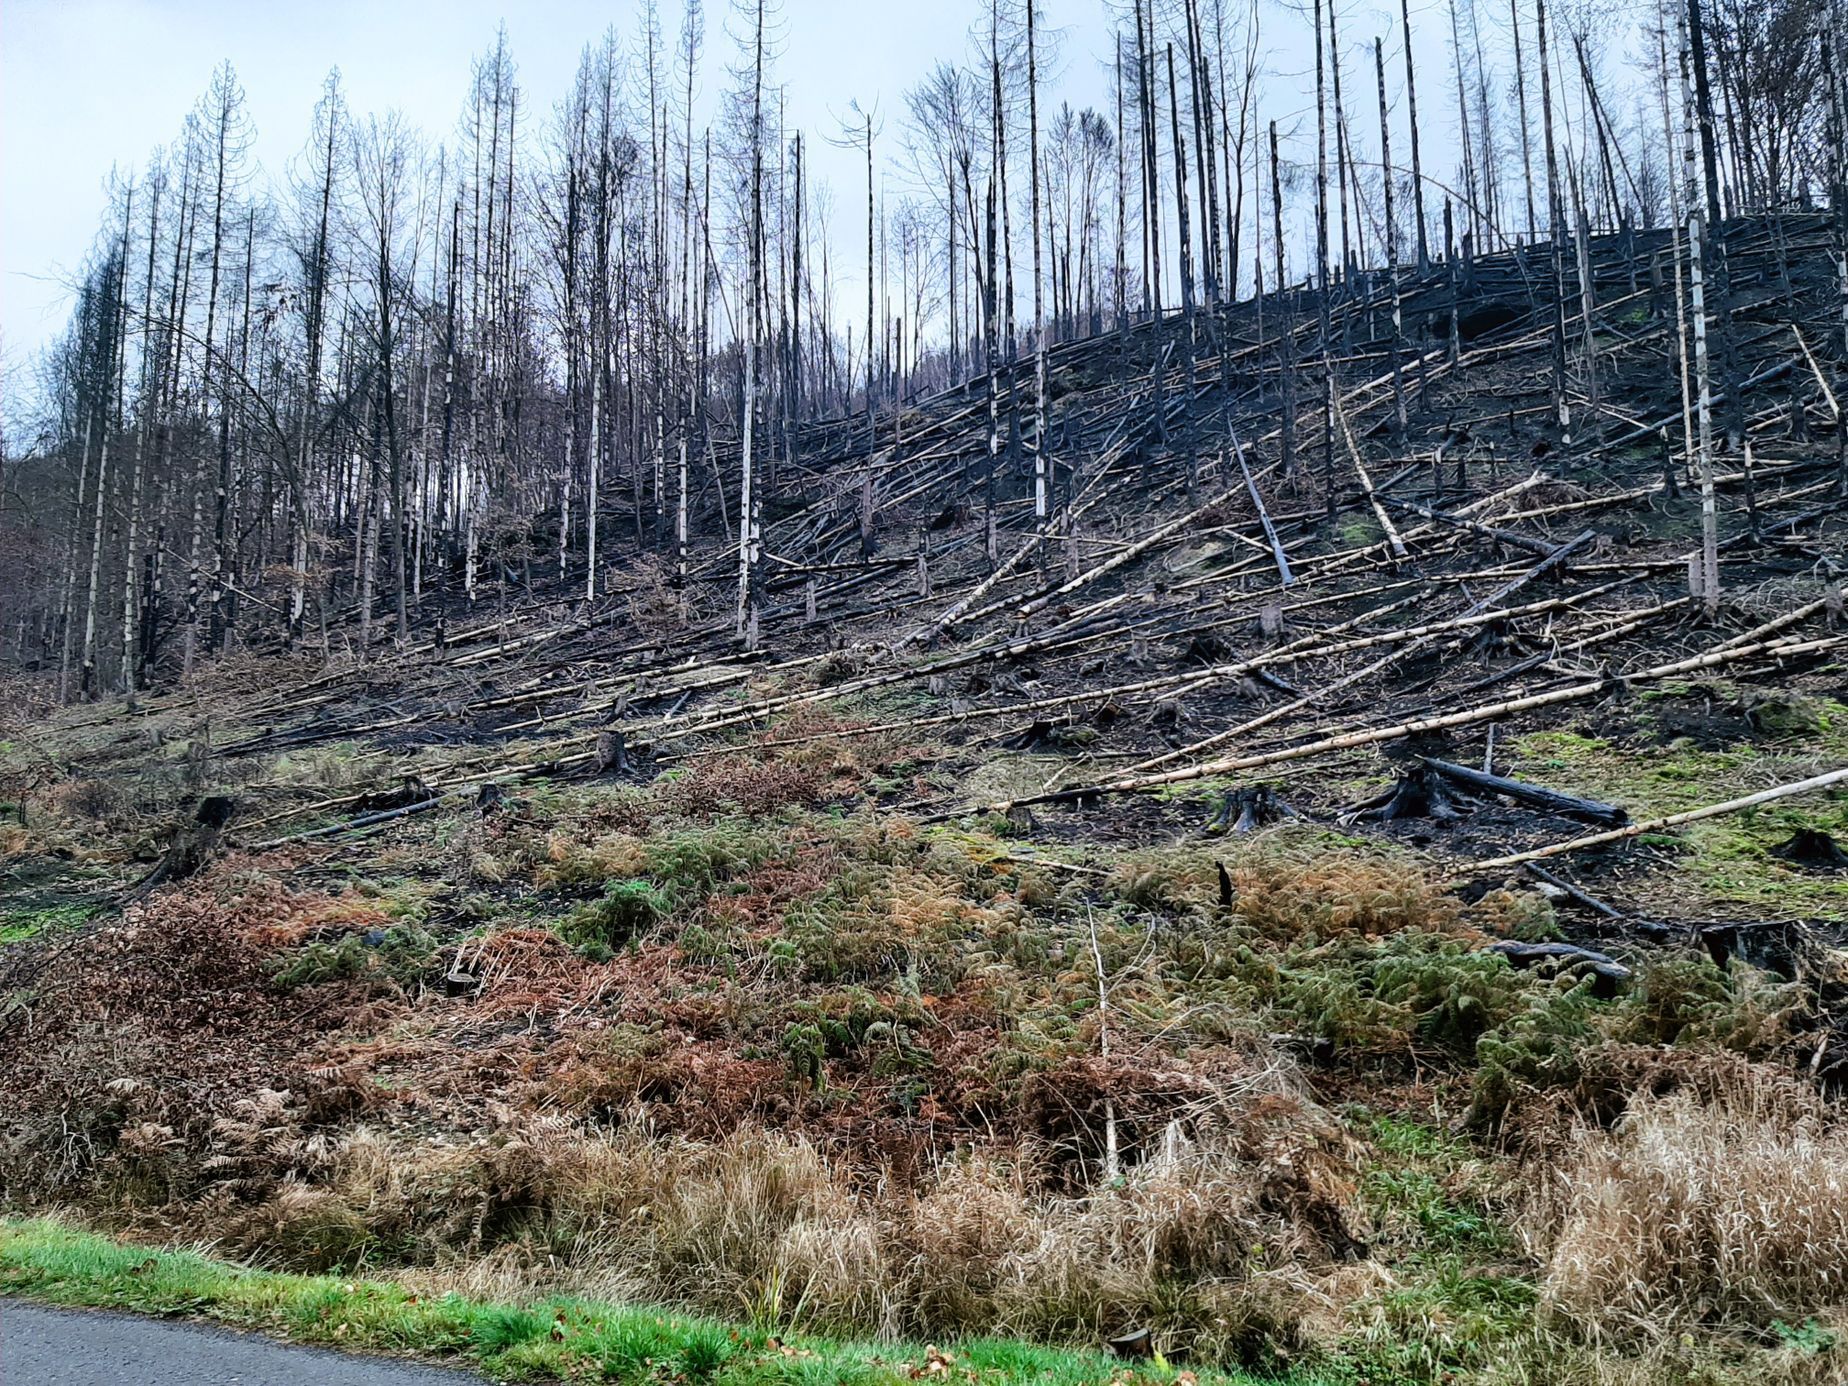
735 1044
553 1338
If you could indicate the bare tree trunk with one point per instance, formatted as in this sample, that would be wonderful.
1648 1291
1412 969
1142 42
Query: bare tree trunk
1151 213
1709 584
1392 248
1321 263
1586 308
67 607
1838 111
114 362
991 342
1186 257
1520 86
1675 225
1470 191
750 503
1201 89
1716 224
1411 103
1122 199
221 136
872 437
793 409
179 299
1838 139
1341 148
316 326
149 395
225 528
1562 409
1042 475
1286 326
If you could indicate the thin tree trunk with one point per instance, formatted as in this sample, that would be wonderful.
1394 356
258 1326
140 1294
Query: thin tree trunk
1675 225
1286 327
1562 409
115 363
149 396
1411 105
1709 593
1042 464
1322 273
1392 248
1520 86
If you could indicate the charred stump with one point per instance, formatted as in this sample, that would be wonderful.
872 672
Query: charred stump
1813 849
1419 792
191 844
1247 810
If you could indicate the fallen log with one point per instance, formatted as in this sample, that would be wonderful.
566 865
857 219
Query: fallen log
1393 540
1372 736
1538 547
1148 541
1284 576
1573 892
1673 820
364 820
1554 557
1533 795
1794 617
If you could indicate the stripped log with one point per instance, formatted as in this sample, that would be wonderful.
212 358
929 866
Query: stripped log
1501 536
1155 536
364 820
1374 736
1284 578
1673 820
1552 560
1393 539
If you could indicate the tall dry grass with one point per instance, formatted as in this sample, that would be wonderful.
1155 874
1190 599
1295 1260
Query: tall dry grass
1222 1245
1728 1209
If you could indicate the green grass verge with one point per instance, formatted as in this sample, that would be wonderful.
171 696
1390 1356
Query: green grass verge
554 1339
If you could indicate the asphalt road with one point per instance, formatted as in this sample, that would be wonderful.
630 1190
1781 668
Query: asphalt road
81 1347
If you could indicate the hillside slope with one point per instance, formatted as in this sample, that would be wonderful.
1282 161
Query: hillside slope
1051 930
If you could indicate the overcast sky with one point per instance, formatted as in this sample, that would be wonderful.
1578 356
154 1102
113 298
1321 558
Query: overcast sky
87 84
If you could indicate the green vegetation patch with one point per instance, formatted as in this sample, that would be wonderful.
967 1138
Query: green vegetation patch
1726 858
21 922
385 958
559 1338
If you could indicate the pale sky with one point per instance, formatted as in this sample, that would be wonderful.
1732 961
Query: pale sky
87 84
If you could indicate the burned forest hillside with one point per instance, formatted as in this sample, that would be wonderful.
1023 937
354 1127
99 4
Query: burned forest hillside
1287 901
1296 836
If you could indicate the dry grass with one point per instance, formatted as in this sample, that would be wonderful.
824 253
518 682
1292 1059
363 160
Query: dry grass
1813 1355
1211 1243
1291 888
1693 1212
